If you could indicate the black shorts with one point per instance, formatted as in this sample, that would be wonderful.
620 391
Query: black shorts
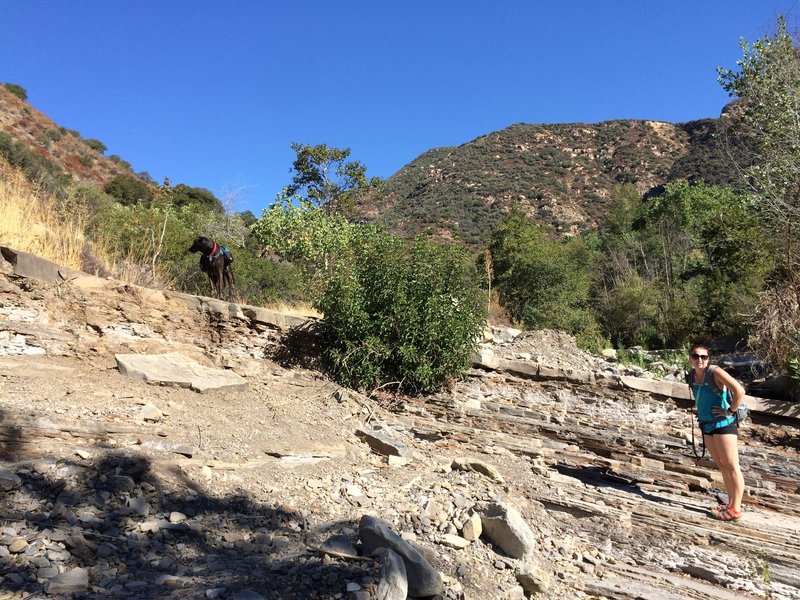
732 428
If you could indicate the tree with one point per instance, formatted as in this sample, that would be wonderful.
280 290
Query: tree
326 178
709 254
626 207
767 82
542 283
304 234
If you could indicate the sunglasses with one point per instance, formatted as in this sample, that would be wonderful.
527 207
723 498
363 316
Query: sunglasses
695 356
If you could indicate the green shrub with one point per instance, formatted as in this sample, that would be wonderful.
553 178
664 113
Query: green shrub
122 163
36 168
184 195
87 199
400 312
129 190
408 313
96 145
19 91
45 138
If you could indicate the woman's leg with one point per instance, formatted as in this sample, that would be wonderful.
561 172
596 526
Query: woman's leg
724 450
711 444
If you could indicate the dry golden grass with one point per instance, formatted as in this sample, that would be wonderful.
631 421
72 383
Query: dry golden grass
35 222
301 309
30 221
136 267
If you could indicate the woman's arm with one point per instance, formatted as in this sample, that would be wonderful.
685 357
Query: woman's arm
722 378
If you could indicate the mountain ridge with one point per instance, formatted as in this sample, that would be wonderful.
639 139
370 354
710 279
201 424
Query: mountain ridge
560 174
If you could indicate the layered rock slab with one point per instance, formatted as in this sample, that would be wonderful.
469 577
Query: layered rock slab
175 369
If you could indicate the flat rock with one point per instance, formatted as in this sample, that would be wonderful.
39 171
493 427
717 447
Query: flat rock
384 444
175 369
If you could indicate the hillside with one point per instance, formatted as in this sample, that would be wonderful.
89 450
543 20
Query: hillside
63 151
560 174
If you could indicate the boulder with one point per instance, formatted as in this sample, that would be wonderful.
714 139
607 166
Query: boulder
507 530
423 579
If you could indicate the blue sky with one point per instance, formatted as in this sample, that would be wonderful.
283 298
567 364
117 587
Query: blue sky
212 94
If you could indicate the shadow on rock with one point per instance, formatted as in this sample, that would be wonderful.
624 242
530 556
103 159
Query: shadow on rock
104 524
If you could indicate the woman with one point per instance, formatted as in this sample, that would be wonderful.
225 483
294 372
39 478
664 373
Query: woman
712 388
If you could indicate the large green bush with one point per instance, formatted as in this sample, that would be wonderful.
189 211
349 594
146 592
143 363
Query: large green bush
401 312
395 312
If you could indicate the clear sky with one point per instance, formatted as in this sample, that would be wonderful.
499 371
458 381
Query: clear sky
212 94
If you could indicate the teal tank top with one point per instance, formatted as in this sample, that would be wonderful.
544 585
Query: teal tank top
706 396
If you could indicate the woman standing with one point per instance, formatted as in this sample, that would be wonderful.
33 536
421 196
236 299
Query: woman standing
712 388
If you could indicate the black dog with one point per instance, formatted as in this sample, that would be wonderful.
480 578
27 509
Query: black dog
216 261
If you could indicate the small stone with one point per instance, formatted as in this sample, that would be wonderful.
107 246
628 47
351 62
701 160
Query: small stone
151 413
70 582
455 541
139 505
9 480
472 528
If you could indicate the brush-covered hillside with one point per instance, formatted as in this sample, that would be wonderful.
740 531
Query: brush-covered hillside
31 139
561 174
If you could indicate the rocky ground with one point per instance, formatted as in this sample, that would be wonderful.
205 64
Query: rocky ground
278 485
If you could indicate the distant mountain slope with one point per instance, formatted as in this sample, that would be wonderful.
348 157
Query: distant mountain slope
58 145
561 174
